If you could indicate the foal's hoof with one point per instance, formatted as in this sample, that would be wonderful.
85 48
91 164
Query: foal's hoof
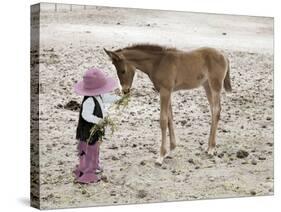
211 151
159 161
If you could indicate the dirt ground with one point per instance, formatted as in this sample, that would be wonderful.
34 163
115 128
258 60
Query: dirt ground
73 41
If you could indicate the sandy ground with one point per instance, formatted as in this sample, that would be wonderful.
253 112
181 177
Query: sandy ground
72 42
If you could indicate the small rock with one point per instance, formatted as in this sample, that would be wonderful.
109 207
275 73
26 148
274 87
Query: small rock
113 193
254 162
183 122
224 33
164 167
253 193
221 155
134 145
114 158
142 163
242 154
48 50
118 23
113 147
262 158
269 144
104 178
268 118
124 153
141 194
169 157
72 105
59 106
132 113
50 196
152 150
190 160
197 167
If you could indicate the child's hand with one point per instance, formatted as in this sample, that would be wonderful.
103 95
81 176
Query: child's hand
100 121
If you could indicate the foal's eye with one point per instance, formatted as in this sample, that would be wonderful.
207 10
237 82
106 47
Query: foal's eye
122 71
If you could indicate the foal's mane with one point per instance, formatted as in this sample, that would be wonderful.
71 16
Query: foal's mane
148 47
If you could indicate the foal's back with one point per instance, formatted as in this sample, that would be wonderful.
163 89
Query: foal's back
190 69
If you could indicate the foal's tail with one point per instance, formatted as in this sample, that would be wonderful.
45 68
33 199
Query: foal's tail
226 82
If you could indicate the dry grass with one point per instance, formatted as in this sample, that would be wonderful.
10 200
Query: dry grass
107 122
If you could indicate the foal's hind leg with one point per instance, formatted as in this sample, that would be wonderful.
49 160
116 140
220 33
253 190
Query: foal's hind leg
171 128
208 93
213 90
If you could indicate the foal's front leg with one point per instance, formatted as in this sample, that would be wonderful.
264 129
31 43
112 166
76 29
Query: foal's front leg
165 96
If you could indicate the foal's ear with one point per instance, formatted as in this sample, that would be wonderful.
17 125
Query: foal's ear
111 54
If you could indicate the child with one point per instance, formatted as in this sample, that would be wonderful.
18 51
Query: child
92 87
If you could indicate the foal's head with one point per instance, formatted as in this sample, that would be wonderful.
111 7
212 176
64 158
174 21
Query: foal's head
125 70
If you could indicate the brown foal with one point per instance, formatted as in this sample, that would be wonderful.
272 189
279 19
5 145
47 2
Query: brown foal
170 70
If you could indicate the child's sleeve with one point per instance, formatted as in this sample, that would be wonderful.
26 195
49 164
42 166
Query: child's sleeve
87 111
108 100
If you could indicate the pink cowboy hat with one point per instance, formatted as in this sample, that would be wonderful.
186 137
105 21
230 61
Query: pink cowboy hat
95 82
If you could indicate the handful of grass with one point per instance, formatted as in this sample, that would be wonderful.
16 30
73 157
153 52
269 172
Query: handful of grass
100 128
123 102
107 121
